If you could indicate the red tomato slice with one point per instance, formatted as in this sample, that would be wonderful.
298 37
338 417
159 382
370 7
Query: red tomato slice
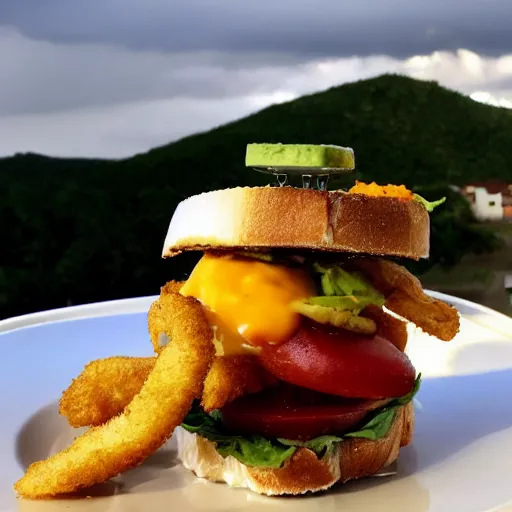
340 362
295 413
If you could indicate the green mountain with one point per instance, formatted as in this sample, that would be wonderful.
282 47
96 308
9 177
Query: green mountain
78 230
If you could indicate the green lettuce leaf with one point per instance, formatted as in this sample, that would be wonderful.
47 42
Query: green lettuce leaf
379 425
429 205
259 451
255 451
251 450
320 445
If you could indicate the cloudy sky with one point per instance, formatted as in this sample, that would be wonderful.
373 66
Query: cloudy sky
112 78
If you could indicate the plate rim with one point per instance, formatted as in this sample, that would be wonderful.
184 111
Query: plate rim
137 305
132 305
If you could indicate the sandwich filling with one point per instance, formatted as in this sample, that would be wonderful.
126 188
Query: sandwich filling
248 301
327 338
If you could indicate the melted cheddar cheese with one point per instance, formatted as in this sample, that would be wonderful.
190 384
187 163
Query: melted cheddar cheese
247 302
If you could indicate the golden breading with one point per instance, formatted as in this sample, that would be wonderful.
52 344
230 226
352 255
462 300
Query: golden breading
388 326
434 317
157 321
103 389
106 386
405 297
147 422
231 377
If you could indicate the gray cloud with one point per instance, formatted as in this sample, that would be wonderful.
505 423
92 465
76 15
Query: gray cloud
101 100
115 131
41 76
116 77
296 28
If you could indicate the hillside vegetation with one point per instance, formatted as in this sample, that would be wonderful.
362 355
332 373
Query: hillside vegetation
77 230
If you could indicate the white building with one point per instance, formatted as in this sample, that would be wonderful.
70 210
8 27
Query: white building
490 201
487 206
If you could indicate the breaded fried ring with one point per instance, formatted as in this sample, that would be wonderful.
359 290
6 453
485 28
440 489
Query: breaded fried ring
147 422
435 317
156 321
405 297
106 386
231 377
103 389
388 326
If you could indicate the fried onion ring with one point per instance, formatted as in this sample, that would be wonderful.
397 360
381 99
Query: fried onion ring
147 422
103 389
405 297
106 386
388 326
156 321
231 377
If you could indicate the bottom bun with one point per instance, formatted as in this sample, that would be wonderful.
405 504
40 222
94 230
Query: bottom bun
303 472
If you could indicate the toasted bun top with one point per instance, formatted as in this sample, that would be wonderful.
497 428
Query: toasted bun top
285 217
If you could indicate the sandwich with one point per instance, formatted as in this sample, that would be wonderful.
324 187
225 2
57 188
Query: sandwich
280 363
310 311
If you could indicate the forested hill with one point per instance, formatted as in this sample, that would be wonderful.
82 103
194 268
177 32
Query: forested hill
402 130
76 230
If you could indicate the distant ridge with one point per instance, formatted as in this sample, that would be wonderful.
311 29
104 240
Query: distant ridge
402 129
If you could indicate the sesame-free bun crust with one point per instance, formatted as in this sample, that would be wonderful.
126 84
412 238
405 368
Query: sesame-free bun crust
287 217
303 472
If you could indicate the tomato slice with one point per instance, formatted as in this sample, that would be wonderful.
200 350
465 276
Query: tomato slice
294 413
340 362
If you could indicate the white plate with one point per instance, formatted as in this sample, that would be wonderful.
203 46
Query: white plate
460 459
